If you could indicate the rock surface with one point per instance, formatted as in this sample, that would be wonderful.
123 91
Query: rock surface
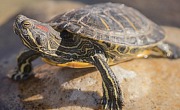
147 84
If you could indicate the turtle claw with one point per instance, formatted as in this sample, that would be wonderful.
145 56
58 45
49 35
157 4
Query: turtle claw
175 53
17 76
104 103
173 56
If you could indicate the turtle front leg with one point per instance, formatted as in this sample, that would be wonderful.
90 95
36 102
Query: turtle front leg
24 64
112 96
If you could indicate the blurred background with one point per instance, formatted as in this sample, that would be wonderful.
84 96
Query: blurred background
162 12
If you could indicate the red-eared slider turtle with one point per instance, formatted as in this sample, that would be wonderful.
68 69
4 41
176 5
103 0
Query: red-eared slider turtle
98 35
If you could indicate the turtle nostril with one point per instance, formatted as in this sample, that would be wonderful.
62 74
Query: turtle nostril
20 18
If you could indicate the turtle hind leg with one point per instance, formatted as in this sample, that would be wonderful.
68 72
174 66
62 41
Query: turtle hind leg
24 65
169 50
165 50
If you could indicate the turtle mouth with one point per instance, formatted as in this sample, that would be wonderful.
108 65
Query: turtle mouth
16 29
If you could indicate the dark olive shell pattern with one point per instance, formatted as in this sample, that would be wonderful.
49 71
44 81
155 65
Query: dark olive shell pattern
110 22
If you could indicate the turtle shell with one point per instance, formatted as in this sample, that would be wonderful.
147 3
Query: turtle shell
110 22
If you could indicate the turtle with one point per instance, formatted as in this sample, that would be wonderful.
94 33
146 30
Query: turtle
98 35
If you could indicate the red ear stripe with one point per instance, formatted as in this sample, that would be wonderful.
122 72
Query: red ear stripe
43 28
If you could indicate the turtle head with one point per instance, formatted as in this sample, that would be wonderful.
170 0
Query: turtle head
36 35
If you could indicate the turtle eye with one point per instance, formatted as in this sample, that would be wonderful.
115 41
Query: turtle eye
26 24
